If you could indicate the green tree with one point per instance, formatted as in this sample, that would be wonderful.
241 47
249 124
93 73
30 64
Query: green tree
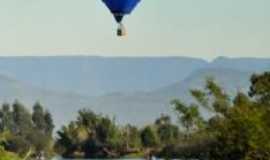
91 135
167 132
149 137
49 124
189 116
22 118
213 98
38 117
260 87
243 135
131 137
7 122
108 133
26 129
240 129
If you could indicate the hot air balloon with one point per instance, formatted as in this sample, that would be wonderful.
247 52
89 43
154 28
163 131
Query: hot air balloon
119 9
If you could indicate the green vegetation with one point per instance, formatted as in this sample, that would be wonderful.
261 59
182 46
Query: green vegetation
4 155
96 136
239 129
24 133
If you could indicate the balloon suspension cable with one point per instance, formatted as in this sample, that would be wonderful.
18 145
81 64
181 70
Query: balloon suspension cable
121 30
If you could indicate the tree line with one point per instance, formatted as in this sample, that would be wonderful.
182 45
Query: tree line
238 129
24 133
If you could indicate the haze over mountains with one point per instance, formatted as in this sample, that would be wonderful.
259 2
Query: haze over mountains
135 90
95 76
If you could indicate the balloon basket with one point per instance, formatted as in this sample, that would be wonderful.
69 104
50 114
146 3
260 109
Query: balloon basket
121 30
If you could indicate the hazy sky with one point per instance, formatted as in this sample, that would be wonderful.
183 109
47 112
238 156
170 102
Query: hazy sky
197 28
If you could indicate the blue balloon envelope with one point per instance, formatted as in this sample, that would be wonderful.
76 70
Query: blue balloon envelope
120 8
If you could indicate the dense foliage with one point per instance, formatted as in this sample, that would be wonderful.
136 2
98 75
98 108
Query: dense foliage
4 155
25 133
91 135
239 129
94 136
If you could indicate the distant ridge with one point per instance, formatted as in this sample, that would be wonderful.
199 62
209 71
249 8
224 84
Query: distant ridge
94 76
121 87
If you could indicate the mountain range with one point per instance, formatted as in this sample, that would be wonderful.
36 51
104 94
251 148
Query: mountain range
134 90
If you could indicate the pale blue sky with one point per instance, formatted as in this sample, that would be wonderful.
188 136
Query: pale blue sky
197 28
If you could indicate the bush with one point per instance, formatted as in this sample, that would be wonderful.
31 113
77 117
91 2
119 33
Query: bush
4 155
